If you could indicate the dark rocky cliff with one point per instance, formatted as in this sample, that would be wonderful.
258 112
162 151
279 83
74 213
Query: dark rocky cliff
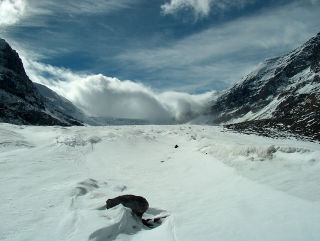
20 100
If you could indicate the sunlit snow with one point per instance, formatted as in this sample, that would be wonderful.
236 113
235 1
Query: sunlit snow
215 186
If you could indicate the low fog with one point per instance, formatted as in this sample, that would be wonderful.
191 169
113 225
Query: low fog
103 96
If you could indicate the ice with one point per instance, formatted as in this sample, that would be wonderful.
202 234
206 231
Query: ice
215 186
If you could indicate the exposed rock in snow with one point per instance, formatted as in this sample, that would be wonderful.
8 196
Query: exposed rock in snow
137 204
281 94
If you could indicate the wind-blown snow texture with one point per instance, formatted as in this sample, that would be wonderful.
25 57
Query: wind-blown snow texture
214 186
281 94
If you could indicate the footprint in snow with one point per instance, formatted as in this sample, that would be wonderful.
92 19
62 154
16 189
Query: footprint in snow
86 186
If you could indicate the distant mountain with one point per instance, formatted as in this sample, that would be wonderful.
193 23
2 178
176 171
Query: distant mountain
282 94
23 102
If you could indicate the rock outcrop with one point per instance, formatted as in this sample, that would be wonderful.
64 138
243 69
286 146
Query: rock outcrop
282 94
20 100
137 204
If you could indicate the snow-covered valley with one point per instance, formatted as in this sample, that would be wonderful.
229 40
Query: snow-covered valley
216 185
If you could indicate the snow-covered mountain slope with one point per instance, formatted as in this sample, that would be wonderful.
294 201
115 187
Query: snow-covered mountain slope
60 106
20 100
282 94
215 185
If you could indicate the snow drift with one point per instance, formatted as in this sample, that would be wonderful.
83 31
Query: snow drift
214 186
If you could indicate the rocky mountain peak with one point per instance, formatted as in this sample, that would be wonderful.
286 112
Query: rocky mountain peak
10 60
20 100
277 94
13 78
304 56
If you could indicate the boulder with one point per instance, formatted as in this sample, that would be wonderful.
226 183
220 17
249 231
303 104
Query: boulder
137 204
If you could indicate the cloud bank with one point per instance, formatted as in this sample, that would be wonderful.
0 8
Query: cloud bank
104 96
202 8
11 11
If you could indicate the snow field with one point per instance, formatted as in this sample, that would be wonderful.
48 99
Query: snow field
215 186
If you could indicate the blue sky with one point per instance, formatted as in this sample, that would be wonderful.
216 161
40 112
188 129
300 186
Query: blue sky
138 40
191 46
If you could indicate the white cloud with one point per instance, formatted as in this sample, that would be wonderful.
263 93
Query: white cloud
314 1
80 7
202 8
11 11
228 51
185 106
99 95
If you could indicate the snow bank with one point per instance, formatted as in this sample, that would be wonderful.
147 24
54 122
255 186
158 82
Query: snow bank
215 186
